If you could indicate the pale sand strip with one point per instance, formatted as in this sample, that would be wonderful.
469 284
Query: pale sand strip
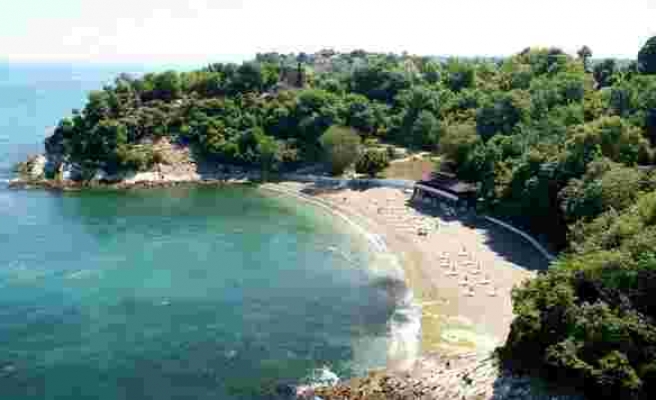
465 295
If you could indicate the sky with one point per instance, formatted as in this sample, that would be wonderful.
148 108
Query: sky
198 31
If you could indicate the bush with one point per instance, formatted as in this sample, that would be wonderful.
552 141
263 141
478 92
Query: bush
342 147
135 158
372 162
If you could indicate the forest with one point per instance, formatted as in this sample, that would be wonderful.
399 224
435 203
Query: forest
562 145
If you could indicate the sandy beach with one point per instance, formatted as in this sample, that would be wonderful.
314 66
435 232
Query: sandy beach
461 270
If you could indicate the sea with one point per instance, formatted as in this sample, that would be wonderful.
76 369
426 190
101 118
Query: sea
173 293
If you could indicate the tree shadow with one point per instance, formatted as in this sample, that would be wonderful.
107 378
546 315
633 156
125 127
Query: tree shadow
326 187
511 384
506 244
212 170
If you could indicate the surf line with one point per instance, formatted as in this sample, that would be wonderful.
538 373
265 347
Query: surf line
405 323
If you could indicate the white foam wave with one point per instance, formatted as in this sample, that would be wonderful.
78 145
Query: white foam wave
404 326
322 377
405 323
405 334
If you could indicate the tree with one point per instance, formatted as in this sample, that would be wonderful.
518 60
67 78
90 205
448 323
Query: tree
372 162
584 54
315 111
501 114
604 72
360 113
98 107
378 82
250 77
341 146
459 75
432 72
647 57
606 185
269 153
611 137
458 141
164 86
426 131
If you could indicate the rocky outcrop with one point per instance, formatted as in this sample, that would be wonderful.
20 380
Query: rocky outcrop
439 377
33 168
176 166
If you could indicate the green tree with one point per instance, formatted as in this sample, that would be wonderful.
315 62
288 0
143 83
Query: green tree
378 82
459 75
606 185
605 72
269 153
426 131
341 146
501 113
584 54
250 77
458 141
647 57
613 138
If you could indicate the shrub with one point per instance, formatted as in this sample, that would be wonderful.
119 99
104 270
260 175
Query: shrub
372 162
135 158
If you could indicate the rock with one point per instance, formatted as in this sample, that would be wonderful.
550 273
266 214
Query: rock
37 166
33 168
8 369
71 172
100 175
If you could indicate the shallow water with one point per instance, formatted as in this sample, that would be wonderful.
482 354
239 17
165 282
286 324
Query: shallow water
187 292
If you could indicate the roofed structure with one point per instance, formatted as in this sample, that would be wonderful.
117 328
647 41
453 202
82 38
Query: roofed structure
447 187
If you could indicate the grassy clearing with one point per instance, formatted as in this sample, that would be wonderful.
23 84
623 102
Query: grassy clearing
414 168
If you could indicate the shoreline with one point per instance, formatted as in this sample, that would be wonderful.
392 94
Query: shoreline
404 348
454 320
450 363
439 293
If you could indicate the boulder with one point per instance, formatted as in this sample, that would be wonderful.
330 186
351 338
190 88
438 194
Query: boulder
37 170
100 175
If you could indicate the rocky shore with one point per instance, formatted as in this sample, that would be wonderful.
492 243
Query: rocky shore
177 167
439 377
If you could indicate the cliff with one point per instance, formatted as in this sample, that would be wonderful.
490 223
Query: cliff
176 164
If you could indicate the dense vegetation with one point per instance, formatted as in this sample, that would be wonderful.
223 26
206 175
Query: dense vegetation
561 145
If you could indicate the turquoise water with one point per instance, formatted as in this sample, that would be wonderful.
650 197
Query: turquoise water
179 293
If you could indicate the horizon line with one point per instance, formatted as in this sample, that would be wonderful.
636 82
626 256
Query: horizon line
235 58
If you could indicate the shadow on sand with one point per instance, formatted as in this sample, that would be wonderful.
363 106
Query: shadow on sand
506 244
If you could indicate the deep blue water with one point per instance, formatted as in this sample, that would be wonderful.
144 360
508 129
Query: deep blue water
181 293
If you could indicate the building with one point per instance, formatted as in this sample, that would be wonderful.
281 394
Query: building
445 188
